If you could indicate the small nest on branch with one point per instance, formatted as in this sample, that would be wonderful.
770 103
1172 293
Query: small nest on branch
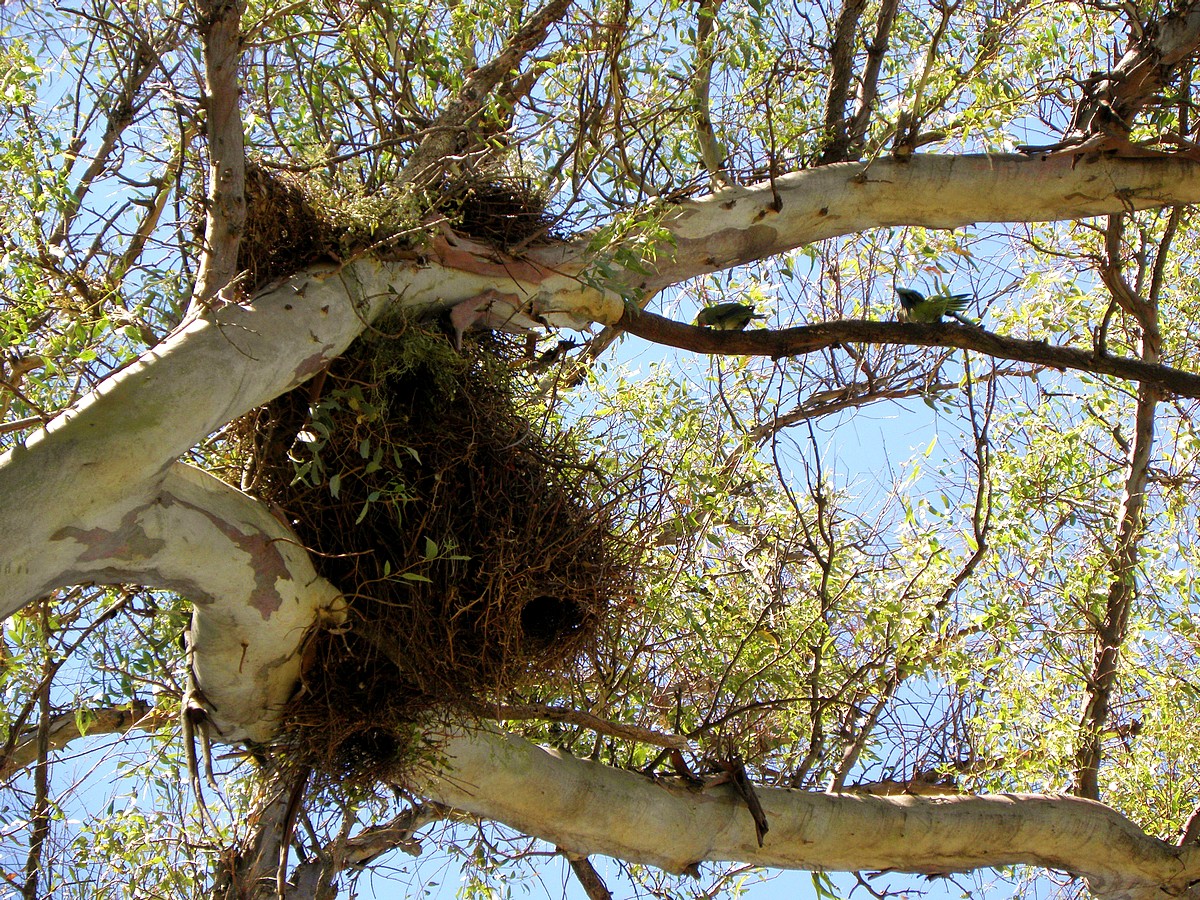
473 549
293 222
504 210
283 232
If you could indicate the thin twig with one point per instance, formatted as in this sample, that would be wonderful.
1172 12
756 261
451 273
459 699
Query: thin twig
569 716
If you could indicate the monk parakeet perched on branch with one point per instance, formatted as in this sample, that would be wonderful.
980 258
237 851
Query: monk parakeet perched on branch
914 307
727 316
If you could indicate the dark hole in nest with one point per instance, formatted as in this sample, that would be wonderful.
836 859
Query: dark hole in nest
470 545
368 747
547 619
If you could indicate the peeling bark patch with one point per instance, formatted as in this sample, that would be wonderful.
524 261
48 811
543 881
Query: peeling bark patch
266 561
269 567
464 259
309 367
128 543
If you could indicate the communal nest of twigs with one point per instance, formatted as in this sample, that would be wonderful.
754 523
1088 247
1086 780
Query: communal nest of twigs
475 549
294 221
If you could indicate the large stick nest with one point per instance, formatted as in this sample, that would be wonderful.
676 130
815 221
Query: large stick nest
474 549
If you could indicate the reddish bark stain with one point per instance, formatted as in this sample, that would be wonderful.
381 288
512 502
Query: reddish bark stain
265 559
128 542
468 257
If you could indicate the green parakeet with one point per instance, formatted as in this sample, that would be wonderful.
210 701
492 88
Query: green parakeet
914 307
727 316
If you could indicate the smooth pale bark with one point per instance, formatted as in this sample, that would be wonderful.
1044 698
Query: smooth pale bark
220 30
65 728
586 807
738 225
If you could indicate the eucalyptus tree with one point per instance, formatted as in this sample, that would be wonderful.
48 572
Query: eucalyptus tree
817 655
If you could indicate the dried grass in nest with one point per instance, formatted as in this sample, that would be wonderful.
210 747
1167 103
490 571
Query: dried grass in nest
284 233
469 544
293 222
505 210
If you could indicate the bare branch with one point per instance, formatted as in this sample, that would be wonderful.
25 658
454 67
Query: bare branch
809 338
876 51
1191 829
841 69
39 815
589 879
122 111
1122 590
711 150
310 877
586 720
429 158
62 729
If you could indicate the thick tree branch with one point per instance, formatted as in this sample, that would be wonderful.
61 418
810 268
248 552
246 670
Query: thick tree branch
744 224
809 338
220 30
585 807
96 458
